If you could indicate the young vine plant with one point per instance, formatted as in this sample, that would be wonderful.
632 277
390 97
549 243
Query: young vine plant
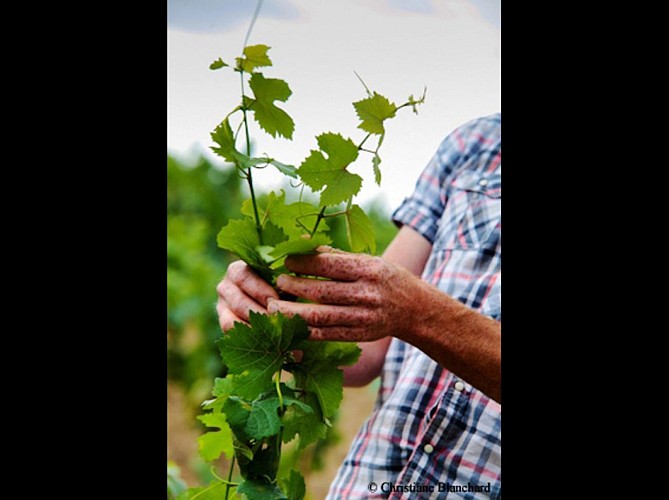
268 397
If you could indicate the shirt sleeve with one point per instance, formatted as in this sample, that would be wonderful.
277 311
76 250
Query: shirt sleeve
424 208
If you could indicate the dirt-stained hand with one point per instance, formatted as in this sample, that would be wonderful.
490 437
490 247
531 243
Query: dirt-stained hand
364 299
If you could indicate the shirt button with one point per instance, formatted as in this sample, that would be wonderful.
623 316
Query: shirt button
483 182
459 386
428 448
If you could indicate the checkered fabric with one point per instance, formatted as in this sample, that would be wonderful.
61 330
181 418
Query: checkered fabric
428 426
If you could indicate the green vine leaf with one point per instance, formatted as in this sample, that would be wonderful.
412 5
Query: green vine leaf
265 461
373 111
260 418
289 400
214 491
272 234
257 490
217 64
413 102
328 354
222 135
242 451
255 56
222 389
285 216
309 425
376 161
300 246
258 350
294 485
271 118
214 443
327 385
360 230
241 238
255 420
288 170
320 375
317 171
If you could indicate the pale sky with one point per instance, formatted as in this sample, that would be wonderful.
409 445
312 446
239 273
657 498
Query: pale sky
397 46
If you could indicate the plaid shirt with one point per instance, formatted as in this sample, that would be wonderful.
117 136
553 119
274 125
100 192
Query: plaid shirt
428 426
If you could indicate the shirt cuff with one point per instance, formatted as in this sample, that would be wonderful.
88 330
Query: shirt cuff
417 217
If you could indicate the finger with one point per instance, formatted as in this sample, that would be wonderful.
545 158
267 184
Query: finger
226 318
253 285
328 292
321 315
237 301
340 334
328 249
337 266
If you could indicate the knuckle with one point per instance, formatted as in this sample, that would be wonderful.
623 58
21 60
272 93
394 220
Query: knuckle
221 288
359 293
287 283
371 318
236 270
363 293
374 298
376 268
321 317
365 316
237 305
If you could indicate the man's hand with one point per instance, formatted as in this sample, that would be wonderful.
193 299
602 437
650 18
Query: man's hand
241 291
365 299
369 298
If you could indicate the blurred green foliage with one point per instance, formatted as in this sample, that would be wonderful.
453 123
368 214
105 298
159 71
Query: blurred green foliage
175 485
201 198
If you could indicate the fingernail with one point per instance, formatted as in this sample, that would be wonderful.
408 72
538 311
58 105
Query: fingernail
281 280
271 305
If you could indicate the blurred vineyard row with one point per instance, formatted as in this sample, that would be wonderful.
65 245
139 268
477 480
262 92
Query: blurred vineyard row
201 198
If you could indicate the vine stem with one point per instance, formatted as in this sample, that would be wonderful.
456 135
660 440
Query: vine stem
224 481
362 143
277 381
249 175
229 482
279 437
318 220
253 22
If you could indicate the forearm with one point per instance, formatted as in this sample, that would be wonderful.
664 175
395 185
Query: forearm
457 337
369 365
